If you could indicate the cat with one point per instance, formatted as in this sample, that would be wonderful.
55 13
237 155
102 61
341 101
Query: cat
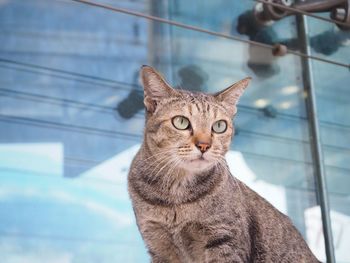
188 206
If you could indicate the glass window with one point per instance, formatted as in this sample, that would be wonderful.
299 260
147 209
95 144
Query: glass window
71 119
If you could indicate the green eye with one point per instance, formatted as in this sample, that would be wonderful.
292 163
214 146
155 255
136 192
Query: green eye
181 122
219 126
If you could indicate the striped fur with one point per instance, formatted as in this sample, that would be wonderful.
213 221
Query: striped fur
187 205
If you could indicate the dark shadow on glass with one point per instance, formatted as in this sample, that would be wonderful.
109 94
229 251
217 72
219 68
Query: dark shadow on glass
133 103
191 77
261 61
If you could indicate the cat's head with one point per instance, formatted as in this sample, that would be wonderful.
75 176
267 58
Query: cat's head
185 129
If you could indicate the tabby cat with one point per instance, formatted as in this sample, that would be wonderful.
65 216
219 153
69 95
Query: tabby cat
188 206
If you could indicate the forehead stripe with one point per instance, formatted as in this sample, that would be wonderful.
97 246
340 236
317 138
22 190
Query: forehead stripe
197 106
215 113
190 109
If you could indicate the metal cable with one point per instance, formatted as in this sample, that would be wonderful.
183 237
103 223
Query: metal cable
54 100
209 32
69 127
60 237
37 67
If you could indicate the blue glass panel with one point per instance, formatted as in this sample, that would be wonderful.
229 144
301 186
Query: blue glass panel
71 119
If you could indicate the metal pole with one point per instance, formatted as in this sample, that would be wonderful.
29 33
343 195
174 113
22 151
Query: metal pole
315 142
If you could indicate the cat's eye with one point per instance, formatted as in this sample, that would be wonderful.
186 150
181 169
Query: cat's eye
219 126
181 122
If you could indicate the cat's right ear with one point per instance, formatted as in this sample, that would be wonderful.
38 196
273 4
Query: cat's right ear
155 88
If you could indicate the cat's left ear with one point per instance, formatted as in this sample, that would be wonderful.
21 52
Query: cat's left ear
230 96
155 88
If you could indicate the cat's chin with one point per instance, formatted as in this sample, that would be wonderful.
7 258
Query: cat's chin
197 165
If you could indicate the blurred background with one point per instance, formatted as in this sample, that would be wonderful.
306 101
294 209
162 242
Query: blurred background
71 118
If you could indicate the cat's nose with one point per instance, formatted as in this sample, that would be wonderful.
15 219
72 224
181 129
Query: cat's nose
203 146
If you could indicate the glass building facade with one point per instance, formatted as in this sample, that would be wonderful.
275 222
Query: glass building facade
71 118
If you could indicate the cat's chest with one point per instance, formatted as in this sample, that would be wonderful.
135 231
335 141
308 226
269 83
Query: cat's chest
171 217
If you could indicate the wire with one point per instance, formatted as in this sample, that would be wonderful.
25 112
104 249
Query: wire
276 137
202 30
63 238
66 72
69 127
299 11
51 176
20 95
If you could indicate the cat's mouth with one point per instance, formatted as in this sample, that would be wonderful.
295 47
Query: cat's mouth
199 159
198 163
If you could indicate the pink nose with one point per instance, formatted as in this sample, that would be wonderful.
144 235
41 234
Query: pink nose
203 146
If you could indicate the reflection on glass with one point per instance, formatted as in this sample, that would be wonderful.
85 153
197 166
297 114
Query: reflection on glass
67 217
328 41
